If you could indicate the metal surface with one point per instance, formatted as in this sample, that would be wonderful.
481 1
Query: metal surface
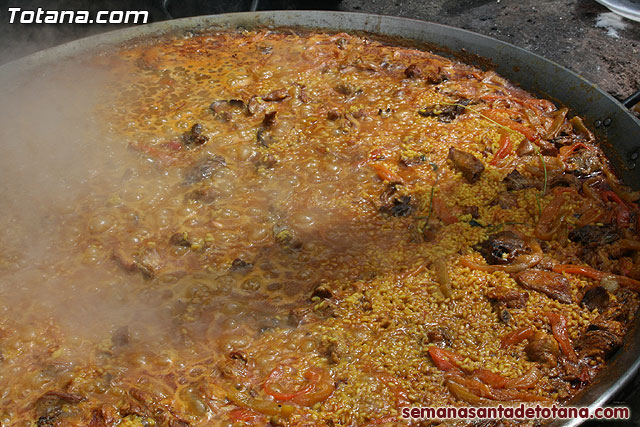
605 115
630 9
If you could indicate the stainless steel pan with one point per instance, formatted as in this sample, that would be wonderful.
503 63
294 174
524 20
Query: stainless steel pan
608 118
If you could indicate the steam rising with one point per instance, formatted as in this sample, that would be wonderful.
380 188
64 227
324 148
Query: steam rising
54 151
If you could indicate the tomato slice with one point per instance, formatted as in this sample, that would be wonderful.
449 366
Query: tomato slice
318 387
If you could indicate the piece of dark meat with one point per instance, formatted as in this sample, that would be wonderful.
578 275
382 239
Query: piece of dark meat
399 207
466 163
431 75
552 284
526 148
543 348
240 265
180 239
148 263
264 138
204 169
516 181
413 72
502 248
605 334
474 211
440 336
595 298
205 195
269 120
347 89
584 163
546 148
601 339
194 137
224 109
563 180
594 236
322 292
512 298
255 105
333 115
444 113
49 406
506 200
276 95
413 161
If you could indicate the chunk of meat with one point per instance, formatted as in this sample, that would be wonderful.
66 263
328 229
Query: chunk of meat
194 137
594 236
595 298
240 265
543 348
552 284
255 105
204 169
224 109
511 298
601 340
470 167
269 120
563 180
276 95
526 148
399 207
502 248
506 200
413 72
625 307
516 181
49 406
605 334
440 336
444 113
149 263
584 164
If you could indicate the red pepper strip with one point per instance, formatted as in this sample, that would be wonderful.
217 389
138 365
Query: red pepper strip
516 337
386 174
511 124
442 211
566 152
490 378
610 196
528 380
323 387
481 390
623 213
592 273
506 145
445 360
319 387
559 329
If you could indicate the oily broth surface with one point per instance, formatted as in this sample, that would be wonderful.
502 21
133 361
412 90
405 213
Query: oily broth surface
128 271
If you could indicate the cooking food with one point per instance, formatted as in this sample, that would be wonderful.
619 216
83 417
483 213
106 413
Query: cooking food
318 230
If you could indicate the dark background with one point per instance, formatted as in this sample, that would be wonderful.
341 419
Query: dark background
561 30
